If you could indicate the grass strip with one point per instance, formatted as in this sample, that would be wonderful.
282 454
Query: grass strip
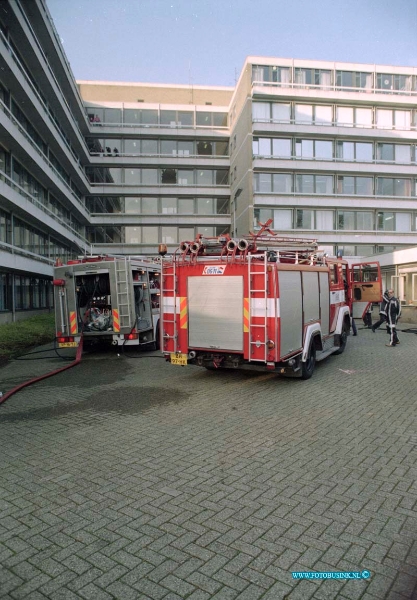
15 338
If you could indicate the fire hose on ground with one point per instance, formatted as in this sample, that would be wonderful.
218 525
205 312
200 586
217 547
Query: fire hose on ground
75 362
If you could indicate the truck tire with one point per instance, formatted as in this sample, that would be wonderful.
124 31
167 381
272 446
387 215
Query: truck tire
307 367
343 340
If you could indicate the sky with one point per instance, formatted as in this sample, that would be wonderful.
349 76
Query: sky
205 42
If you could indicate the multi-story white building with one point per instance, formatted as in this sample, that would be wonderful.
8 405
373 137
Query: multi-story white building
327 150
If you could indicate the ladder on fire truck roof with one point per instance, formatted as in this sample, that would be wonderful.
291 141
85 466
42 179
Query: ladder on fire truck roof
122 267
258 305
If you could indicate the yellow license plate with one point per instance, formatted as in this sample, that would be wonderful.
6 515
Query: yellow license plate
68 345
178 359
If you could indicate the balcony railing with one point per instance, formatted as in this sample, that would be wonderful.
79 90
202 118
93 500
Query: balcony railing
334 159
49 113
332 87
17 250
34 145
412 127
49 66
20 190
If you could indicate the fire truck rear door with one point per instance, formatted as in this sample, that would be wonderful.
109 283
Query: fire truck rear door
366 282
215 312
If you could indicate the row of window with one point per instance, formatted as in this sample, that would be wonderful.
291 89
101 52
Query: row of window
334 149
149 235
158 176
337 220
29 238
29 292
329 78
7 99
132 117
287 183
341 116
158 206
149 147
26 181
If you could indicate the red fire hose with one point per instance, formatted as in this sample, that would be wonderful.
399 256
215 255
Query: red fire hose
77 360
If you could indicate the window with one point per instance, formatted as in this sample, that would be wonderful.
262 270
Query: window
168 206
398 153
150 235
318 149
313 77
209 119
169 235
282 183
185 177
386 81
149 147
303 219
309 114
360 186
349 116
403 222
354 151
205 148
149 176
132 176
314 184
140 117
385 221
261 111
353 79
282 219
387 186
174 118
324 220
204 177
272 74
281 148
281 113
186 206
133 235
205 206
303 114
5 292
169 176
346 220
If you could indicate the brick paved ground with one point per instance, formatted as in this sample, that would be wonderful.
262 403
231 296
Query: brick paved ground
132 479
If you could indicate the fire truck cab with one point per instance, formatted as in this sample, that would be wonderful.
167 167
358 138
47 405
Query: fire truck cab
262 302
107 299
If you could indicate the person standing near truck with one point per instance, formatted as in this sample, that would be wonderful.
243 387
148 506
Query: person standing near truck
393 314
382 312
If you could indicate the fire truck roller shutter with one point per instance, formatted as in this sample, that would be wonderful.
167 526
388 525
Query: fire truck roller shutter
311 300
291 311
215 312
324 303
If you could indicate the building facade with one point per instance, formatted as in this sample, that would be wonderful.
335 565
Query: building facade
325 150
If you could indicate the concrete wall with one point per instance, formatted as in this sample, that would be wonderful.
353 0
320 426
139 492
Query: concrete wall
105 91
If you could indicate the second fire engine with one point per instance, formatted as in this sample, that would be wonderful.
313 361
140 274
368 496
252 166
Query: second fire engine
261 302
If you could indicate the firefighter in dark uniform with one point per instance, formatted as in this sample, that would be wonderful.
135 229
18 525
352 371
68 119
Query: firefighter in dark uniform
393 314
382 311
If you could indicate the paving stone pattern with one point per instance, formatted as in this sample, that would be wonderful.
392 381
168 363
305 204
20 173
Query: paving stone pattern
131 478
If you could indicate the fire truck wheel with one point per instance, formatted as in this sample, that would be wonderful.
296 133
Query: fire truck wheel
307 367
343 340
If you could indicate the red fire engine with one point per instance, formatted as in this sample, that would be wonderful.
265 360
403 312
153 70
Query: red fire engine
263 302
